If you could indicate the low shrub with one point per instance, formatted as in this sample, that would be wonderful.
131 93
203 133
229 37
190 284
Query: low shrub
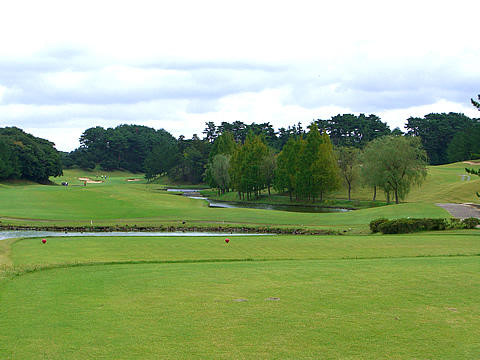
376 223
399 226
405 226
470 223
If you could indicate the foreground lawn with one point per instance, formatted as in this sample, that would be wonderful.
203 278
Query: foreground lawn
272 297
72 250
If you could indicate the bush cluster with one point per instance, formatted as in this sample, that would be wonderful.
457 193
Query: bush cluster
404 226
375 224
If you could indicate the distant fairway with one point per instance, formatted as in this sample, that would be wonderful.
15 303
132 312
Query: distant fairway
117 201
270 297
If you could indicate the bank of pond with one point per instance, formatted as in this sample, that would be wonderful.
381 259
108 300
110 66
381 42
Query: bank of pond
195 194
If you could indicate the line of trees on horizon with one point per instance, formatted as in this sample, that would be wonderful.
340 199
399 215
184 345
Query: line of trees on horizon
445 138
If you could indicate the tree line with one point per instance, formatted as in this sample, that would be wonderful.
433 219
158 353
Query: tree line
25 156
140 149
309 166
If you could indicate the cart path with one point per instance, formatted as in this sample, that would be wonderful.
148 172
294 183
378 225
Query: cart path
462 211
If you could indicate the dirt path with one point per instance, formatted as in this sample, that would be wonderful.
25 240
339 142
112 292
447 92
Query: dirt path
461 211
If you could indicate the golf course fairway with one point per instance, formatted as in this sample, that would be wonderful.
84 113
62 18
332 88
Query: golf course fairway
350 295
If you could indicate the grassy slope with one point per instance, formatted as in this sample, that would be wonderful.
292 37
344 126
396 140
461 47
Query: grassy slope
443 184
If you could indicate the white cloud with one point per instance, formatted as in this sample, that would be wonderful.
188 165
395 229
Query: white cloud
65 67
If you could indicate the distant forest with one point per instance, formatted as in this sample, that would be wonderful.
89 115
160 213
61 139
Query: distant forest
24 156
445 137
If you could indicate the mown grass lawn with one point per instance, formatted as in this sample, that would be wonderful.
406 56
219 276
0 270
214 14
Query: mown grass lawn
297 297
137 204
117 201
355 296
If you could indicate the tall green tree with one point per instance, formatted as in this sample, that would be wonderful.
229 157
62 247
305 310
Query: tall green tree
269 167
247 166
308 167
326 172
220 167
319 171
395 164
224 144
348 162
288 166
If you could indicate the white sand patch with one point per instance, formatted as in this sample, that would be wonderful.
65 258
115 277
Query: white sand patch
90 181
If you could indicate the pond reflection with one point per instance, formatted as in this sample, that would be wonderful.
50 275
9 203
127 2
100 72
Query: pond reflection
292 208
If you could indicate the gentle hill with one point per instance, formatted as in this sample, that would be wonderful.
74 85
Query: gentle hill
443 184
448 183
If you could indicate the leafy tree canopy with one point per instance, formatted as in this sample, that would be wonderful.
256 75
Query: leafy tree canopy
125 146
436 132
25 156
353 131
394 164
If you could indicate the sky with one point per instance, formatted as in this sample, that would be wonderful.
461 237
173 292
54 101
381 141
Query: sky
69 66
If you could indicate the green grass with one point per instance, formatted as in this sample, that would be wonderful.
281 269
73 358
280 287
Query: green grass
443 184
74 250
352 297
118 202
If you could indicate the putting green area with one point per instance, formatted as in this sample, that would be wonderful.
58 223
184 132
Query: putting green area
269 297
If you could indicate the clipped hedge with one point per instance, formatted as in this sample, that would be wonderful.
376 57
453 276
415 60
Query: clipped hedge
405 226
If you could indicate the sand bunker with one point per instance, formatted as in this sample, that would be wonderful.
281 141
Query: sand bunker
133 179
90 181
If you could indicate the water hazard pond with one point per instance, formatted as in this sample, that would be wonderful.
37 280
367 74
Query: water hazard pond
192 193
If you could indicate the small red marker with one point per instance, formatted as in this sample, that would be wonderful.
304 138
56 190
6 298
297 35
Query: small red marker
226 240
44 241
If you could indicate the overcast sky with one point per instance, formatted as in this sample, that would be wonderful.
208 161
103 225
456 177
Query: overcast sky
68 66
